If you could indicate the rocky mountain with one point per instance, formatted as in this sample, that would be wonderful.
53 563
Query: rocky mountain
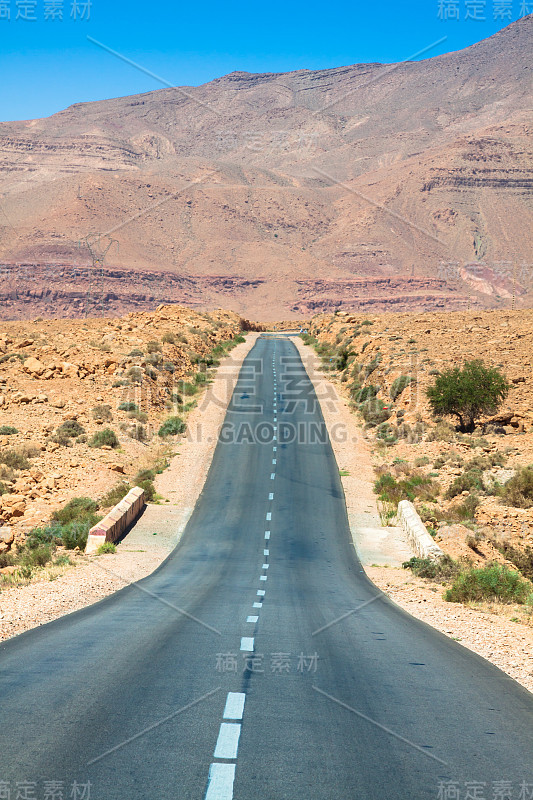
371 186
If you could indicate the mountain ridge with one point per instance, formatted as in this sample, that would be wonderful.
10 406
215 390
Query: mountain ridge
268 177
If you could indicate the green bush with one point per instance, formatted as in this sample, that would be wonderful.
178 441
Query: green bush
102 412
413 485
168 338
145 475
140 416
468 393
128 405
74 534
60 438
366 393
105 438
444 567
169 367
172 426
70 428
49 534
401 383
374 411
518 491
36 556
493 582
106 547
135 374
470 479
153 347
200 377
7 430
115 495
14 459
522 559
187 389
136 353
149 489
77 508
62 560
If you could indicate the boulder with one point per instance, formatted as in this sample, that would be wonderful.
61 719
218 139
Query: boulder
69 370
6 534
33 366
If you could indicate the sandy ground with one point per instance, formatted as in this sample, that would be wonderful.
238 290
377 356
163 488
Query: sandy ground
507 644
63 590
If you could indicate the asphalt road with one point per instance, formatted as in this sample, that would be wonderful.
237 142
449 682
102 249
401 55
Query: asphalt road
258 662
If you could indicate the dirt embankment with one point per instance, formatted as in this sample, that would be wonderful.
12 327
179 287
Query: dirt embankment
500 632
57 590
82 402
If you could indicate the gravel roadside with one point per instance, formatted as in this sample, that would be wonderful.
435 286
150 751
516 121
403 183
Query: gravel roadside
507 644
64 590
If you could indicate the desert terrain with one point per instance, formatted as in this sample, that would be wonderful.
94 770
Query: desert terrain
63 383
402 187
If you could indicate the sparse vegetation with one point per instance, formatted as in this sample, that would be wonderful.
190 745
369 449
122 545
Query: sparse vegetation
492 582
135 374
14 459
518 491
104 438
128 405
76 509
106 547
102 413
172 426
115 495
70 428
401 383
442 568
7 430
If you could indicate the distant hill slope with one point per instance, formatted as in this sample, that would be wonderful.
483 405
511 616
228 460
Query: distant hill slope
376 186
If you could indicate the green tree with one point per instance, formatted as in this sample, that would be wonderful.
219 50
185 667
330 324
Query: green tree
468 392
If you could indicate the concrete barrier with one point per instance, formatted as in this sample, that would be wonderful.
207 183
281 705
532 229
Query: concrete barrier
113 525
416 533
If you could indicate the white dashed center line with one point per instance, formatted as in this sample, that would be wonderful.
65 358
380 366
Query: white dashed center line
234 705
251 618
267 534
266 566
274 449
247 644
266 552
262 577
274 460
271 496
220 782
258 605
272 476
228 740
269 515
260 592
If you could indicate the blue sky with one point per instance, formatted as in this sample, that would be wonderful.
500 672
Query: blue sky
47 64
